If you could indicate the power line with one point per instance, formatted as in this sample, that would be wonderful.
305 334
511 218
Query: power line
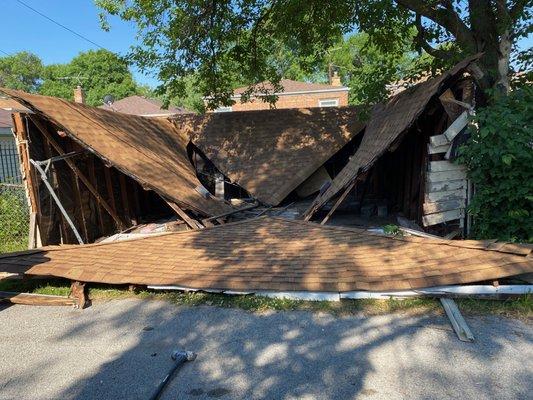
59 24
3 52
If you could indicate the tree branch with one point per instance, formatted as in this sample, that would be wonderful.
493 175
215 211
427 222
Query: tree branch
445 17
517 9
422 42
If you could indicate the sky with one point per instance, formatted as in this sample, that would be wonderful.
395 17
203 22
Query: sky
22 29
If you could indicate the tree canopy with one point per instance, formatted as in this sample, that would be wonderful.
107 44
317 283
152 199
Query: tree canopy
22 71
99 72
214 40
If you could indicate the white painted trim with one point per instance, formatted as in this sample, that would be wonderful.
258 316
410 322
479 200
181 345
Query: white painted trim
456 290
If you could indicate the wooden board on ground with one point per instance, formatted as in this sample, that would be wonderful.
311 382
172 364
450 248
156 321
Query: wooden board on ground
36 299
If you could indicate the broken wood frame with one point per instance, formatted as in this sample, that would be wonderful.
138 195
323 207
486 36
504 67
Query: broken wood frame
415 179
99 199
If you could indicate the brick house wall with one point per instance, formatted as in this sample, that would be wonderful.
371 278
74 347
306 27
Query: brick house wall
297 100
295 94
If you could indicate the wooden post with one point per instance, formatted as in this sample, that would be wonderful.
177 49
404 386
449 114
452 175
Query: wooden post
77 171
109 186
338 202
28 173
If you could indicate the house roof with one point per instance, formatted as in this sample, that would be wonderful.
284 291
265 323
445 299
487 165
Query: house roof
270 152
291 87
387 123
150 150
5 119
8 106
277 254
139 105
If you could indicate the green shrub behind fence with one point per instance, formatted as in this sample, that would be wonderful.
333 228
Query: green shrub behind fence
14 218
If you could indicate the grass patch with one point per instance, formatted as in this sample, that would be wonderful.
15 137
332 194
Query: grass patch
518 307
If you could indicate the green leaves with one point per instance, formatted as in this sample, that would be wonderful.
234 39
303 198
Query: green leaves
99 72
499 157
21 71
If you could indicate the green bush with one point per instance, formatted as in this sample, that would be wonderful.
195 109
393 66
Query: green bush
499 158
14 221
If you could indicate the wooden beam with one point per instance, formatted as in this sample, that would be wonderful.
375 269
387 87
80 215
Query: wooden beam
33 299
124 197
459 324
440 166
109 186
77 171
227 214
188 220
80 209
28 172
445 176
94 182
338 202
453 130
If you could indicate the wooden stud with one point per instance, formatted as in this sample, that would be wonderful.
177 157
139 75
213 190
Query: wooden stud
94 181
77 171
338 202
109 187
124 197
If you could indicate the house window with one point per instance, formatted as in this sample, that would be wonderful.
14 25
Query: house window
224 109
328 103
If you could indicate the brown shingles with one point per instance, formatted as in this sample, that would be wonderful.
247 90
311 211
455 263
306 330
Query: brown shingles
150 150
387 123
270 152
277 254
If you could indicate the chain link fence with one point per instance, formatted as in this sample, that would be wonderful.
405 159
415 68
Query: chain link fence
14 210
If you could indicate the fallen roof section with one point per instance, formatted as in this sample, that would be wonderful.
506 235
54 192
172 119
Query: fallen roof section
270 152
150 150
387 123
278 254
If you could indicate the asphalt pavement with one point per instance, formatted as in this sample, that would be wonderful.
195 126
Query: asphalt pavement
121 349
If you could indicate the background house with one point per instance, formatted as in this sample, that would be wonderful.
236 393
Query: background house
295 94
139 105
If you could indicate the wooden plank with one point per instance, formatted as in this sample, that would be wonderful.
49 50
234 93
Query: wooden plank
445 195
28 172
94 181
188 220
459 324
444 176
77 171
80 209
227 214
438 149
124 197
32 235
338 202
440 206
36 299
438 218
440 166
447 100
109 187
442 186
452 131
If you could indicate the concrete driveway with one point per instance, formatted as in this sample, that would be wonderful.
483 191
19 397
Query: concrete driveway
121 349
